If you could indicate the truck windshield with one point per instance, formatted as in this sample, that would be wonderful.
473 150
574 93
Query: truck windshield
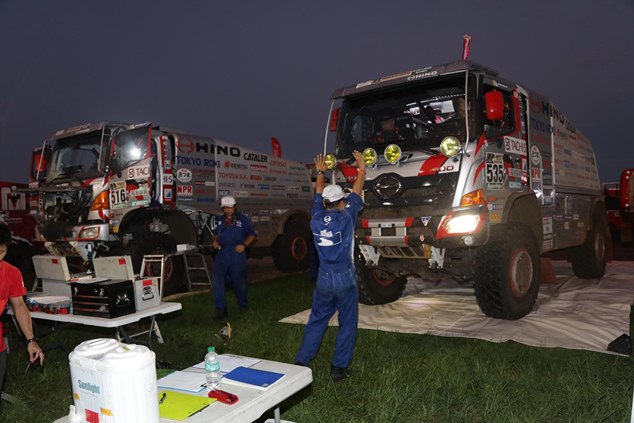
412 116
129 147
75 157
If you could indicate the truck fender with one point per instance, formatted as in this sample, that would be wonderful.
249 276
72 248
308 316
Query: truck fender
524 208
181 227
291 217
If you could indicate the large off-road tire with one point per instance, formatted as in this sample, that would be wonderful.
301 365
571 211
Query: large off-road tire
155 243
589 259
291 250
377 286
507 272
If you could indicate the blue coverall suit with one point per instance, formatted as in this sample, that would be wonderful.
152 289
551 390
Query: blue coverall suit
336 289
230 263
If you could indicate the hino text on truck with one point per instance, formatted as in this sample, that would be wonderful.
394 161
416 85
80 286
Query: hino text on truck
117 188
469 176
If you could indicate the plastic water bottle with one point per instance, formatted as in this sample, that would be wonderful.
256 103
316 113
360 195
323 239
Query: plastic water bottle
212 369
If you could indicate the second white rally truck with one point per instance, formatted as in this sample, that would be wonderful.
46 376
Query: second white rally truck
118 188
469 176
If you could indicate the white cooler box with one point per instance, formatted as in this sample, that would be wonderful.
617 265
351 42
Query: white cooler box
114 382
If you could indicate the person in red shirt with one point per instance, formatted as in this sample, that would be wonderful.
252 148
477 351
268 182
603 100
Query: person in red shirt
12 288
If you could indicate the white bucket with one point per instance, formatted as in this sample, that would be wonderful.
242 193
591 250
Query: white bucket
114 382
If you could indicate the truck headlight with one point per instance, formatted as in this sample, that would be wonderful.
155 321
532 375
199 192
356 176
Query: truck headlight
331 161
465 223
450 146
369 156
392 153
88 234
462 223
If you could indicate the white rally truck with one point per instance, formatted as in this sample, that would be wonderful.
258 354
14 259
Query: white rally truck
469 176
117 188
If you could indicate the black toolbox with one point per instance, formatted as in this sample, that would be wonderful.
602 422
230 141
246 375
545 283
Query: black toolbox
111 298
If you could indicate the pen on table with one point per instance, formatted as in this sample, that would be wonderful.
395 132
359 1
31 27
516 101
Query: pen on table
162 397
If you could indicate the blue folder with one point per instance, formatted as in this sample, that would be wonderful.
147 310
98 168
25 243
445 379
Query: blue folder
255 377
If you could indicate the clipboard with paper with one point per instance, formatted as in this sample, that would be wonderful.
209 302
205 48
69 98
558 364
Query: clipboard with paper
179 406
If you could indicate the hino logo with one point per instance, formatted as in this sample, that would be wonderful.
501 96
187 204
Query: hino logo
387 187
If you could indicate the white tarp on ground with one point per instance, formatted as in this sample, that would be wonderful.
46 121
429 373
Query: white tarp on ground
574 313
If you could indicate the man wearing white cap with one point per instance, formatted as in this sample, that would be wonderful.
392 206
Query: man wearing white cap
233 235
334 218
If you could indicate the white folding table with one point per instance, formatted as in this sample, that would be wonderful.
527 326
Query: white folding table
253 402
117 323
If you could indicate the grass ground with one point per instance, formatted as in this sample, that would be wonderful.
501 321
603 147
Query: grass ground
395 377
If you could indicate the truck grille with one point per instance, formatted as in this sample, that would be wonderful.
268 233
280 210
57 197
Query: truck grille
391 193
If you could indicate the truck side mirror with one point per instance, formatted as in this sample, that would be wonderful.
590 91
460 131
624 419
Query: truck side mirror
494 104
39 164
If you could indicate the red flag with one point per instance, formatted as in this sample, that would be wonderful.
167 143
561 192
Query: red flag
277 147
466 44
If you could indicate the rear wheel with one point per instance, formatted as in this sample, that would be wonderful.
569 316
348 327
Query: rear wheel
156 243
590 258
291 249
378 286
506 274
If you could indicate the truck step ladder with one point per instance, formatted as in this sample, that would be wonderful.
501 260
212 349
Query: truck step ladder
200 265
149 260
188 254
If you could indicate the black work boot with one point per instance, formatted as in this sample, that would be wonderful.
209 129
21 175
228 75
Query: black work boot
338 373
221 313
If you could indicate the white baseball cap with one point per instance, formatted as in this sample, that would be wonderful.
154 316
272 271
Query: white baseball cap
333 193
227 201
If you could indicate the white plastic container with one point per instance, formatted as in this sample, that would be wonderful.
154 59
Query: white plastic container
114 382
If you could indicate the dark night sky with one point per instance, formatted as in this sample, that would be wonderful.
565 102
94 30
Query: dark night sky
244 71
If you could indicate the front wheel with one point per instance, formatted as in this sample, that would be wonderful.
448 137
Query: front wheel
378 286
506 274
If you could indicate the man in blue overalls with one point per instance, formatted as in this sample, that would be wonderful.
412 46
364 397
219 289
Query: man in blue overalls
233 235
334 218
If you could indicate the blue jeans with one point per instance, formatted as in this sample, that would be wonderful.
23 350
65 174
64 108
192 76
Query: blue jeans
336 290
233 265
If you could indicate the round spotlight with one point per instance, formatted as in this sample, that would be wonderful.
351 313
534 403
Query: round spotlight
369 156
392 153
331 161
450 146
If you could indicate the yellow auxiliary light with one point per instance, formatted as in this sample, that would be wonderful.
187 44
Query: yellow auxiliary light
369 156
392 153
331 161
450 146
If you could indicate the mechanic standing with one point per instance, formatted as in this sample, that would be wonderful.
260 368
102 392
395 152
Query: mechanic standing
333 221
233 235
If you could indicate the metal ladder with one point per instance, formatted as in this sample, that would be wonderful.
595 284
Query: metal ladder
197 253
154 328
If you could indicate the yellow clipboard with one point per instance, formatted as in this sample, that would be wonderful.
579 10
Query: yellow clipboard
178 406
